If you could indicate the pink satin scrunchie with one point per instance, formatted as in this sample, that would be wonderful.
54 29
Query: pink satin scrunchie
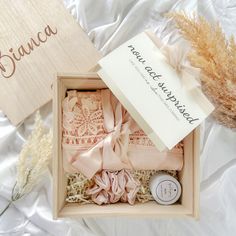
111 187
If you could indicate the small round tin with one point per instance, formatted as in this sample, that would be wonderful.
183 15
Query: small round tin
165 189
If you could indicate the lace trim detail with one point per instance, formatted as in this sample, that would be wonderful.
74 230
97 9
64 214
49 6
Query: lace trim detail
140 138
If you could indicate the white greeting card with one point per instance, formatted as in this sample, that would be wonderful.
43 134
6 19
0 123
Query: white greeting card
150 89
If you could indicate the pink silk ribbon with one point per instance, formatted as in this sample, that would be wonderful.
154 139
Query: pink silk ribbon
176 56
114 152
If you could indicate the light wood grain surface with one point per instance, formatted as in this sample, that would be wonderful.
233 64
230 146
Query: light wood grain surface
38 39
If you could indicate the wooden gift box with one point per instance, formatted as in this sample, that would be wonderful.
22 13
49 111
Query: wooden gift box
188 204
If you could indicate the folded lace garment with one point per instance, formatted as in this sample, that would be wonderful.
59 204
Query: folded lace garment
98 134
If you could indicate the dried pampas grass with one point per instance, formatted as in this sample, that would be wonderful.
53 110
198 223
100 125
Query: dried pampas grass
34 157
33 160
216 57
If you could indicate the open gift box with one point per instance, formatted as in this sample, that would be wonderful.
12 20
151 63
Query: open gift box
188 205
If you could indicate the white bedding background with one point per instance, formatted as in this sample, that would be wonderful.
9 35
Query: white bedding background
108 24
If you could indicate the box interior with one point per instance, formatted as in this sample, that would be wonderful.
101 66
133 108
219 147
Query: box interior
188 176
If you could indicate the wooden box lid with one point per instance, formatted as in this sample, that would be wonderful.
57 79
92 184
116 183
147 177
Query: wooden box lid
38 39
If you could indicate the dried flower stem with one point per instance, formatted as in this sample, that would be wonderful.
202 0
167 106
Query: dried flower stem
8 205
33 160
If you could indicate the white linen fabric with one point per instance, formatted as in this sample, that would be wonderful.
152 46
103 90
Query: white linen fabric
108 24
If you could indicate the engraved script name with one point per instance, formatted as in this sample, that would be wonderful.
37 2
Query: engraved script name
9 60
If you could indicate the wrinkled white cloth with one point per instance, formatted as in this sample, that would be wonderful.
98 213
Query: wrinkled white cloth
108 24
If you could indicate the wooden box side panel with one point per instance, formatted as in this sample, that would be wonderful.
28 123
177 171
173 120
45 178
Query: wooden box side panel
149 209
196 153
59 181
189 176
186 174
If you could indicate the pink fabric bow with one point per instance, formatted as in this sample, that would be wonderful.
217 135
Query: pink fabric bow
111 187
113 152
176 56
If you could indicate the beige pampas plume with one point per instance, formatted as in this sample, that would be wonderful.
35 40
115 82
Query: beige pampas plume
33 160
216 57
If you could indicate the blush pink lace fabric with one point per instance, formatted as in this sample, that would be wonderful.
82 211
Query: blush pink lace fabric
98 133
111 187
82 119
